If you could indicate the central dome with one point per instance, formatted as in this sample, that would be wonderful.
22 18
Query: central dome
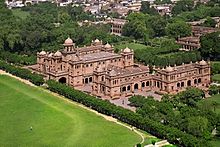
169 69
127 50
68 41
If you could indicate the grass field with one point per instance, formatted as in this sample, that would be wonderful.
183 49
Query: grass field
55 122
216 78
216 98
19 13
133 46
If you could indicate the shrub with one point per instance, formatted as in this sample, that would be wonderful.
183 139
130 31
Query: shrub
22 73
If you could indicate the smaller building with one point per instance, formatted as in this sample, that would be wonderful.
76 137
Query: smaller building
117 25
193 42
163 9
198 31
189 43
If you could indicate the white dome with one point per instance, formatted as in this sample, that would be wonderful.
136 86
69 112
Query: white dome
58 54
68 41
96 41
50 55
127 50
202 62
108 45
86 21
169 69
42 53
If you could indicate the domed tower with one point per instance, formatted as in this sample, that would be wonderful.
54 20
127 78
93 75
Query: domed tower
127 57
69 46
41 61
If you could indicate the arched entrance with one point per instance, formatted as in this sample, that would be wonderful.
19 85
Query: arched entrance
62 80
135 86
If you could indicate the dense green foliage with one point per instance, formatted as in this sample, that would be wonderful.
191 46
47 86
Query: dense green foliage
178 29
210 46
182 111
213 89
23 73
54 120
156 128
17 59
182 6
46 27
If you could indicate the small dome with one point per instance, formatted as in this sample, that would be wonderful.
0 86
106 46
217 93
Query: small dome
68 41
127 50
112 73
42 53
58 54
108 45
96 41
169 69
202 62
86 21
50 55
109 18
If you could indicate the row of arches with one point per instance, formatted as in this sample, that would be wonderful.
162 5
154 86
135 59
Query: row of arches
86 80
189 83
136 86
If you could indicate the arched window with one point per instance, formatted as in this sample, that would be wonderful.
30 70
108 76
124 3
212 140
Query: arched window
90 79
123 89
135 86
199 80
143 84
189 83
128 88
195 81
182 84
178 85
147 83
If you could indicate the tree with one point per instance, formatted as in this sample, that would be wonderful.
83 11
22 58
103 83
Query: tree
197 125
182 6
213 89
191 96
210 46
146 9
158 24
178 29
136 29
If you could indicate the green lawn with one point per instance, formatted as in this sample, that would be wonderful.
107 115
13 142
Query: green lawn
216 78
55 122
133 46
19 13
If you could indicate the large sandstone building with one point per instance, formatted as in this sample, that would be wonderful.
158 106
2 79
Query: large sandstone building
112 75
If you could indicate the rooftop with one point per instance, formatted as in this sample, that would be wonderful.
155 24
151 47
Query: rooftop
100 55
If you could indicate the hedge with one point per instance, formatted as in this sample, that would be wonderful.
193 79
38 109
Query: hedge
22 73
